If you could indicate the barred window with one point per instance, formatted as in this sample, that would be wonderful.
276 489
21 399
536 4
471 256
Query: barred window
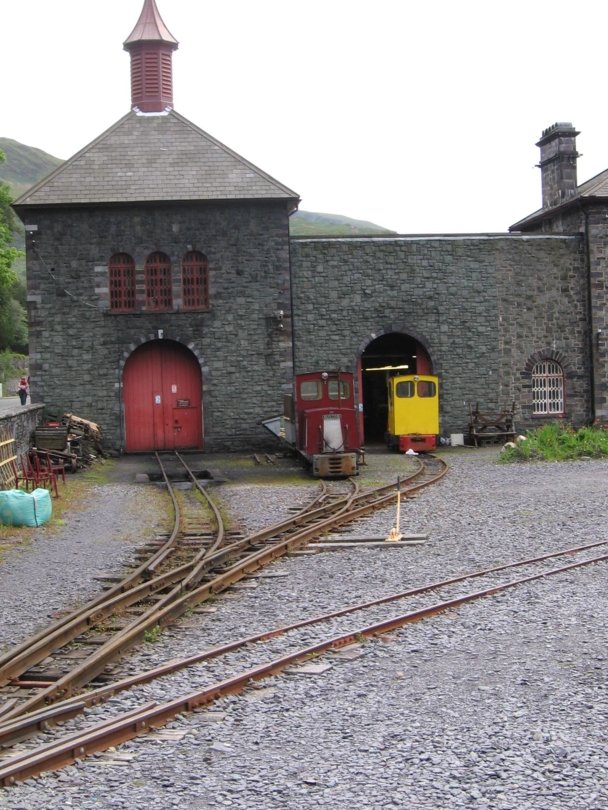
195 284
121 282
158 282
548 388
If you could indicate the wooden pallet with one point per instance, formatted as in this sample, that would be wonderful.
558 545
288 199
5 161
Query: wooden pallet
490 428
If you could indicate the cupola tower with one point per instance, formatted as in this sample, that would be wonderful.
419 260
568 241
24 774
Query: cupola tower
151 47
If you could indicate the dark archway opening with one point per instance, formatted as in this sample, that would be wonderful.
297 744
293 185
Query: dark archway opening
387 355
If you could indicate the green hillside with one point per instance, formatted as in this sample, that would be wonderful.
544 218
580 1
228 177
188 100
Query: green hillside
309 223
25 165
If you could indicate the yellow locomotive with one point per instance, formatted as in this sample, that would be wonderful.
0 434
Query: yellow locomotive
413 412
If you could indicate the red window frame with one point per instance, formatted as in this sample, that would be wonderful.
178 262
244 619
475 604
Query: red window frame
159 293
121 283
195 280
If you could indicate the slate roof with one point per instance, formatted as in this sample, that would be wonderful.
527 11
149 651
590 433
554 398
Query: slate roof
155 158
594 189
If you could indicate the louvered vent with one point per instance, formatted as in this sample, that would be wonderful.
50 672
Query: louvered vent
166 76
151 46
137 78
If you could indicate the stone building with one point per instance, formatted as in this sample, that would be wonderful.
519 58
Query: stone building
168 303
158 272
582 212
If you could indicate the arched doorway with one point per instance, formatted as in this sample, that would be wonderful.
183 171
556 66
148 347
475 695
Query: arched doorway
385 356
162 396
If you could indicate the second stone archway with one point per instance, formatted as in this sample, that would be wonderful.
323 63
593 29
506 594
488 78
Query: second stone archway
384 356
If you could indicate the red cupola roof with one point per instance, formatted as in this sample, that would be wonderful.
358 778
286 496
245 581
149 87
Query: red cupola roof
151 46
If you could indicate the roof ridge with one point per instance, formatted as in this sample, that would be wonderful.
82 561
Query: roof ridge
234 154
69 161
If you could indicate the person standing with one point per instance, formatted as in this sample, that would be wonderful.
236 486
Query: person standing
23 390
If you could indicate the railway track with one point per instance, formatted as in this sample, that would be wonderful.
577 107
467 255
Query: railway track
278 648
79 648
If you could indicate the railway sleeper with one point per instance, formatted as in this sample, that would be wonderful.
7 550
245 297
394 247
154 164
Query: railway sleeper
104 678
97 640
33 675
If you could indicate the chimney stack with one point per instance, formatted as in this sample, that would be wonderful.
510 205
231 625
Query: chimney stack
558 163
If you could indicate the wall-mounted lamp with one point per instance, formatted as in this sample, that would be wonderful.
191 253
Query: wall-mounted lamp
160 334
275 321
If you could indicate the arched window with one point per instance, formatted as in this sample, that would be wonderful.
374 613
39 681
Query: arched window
195 286
158 282
548 388
121 283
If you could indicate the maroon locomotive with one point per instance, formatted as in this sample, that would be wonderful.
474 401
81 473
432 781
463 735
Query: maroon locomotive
320 420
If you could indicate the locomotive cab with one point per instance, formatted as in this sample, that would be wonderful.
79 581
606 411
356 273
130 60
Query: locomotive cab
413 412
326 422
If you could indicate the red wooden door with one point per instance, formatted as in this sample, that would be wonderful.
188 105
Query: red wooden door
162 398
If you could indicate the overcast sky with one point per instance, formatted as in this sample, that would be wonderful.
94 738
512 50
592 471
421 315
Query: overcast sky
418 116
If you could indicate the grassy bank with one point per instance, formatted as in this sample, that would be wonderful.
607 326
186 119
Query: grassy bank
555 442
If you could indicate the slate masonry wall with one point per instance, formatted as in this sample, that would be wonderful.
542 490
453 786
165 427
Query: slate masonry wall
481 305
78 348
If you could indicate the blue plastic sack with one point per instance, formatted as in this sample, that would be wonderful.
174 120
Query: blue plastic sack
19 508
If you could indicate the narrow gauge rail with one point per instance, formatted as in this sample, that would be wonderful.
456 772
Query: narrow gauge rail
36 647
154 583
189 585
110 732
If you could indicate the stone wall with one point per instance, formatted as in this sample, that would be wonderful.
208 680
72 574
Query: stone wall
481 306
21 424
596 229
589 219
78 348
484 307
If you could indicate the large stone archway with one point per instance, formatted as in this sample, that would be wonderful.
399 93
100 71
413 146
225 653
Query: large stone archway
384 356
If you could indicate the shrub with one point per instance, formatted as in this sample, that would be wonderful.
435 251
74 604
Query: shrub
12 365
557 442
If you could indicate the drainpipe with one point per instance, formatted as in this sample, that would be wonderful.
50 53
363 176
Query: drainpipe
291 307
590 334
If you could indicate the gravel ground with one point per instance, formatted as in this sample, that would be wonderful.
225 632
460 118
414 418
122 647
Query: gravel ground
500 704
55 568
